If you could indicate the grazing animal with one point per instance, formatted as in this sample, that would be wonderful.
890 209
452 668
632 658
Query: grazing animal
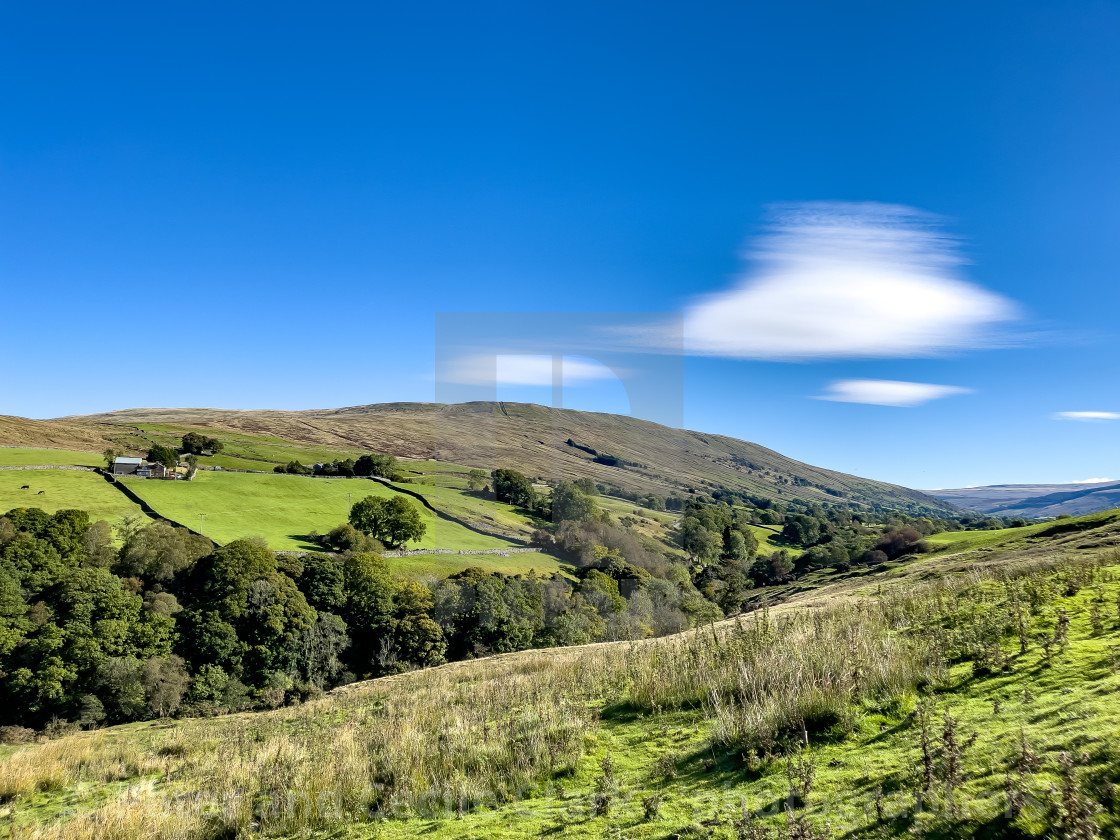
41 492
25 487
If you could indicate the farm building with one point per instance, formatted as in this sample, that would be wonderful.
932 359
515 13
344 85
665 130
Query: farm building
139 468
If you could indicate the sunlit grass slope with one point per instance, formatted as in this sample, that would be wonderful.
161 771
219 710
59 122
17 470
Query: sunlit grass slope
971 540
64 489
14 456
282 509
698 736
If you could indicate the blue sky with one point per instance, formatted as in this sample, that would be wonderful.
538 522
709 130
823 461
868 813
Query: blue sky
267 206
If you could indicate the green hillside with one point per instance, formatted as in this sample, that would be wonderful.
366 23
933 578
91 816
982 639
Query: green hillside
63 489
648 458
968 540
445 486
17 456
968 695
282 509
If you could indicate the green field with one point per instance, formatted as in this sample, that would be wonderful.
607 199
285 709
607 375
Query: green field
442 565
282 509
438 468
64 489
769 542
15 457
250 452
624 507
450 495
972 540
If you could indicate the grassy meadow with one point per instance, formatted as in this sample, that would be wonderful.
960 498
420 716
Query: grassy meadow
64 489
442 565
19 457
968 540
250 451
769 542
972 540
927 712
447 490
282 509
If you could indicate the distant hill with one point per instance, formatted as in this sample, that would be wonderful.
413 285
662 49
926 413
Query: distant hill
633 454
1035 500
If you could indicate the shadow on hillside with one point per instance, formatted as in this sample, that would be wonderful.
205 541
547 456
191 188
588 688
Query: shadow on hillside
307 542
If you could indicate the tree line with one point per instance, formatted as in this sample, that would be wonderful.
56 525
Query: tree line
103 625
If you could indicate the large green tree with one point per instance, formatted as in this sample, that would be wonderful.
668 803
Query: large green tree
160 454
571 504
513 487
242 584
393 521
194 443
476 480
383 466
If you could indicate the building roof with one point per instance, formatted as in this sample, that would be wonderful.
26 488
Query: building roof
128 461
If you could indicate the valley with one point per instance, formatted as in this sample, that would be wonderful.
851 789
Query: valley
551 656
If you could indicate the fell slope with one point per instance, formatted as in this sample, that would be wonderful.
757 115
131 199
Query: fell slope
76 433
1035 500
598 740
534 439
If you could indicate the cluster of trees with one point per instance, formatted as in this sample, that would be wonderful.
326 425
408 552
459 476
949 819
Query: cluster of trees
194 443
384 466
392 522
166 455
104 625
568 500
512 487
81 634
509 485
728 564
604 458
294 468
101 625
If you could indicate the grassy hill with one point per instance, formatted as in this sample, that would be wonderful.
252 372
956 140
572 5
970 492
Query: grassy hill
63 489
962 694
11 456
283 509
82 434
1035 501
652 458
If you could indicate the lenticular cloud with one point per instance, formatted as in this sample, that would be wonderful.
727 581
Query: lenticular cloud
840 280
889 392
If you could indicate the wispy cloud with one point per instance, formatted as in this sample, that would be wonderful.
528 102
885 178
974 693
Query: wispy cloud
1087 416
505 369
888 392
845 280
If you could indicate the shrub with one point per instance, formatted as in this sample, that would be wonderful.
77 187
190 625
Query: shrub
11 735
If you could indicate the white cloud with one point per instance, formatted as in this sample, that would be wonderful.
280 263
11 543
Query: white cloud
522 370
845 280
888 392
1087 416
1091 481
